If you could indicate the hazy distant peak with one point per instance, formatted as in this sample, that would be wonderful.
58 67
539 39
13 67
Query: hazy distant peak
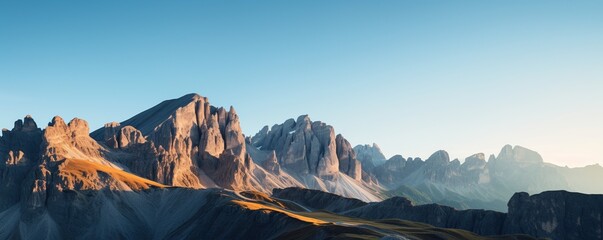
370 154
480 156
440 156
518 154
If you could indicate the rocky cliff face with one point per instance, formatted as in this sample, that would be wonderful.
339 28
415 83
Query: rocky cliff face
348 163
556 215
308 147
302 146
19 153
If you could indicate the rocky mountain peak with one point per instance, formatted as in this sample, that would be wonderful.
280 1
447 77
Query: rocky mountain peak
475 161
28 122
302 146
79 127
440 157
189 143
518 154
478 156
302 120
75 127
58 122
370 155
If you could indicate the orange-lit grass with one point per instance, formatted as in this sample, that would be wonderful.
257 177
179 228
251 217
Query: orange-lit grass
259 206
82 169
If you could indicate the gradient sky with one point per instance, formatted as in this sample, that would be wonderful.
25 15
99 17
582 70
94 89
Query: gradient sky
412 76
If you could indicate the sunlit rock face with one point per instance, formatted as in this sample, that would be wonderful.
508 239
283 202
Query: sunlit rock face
187 142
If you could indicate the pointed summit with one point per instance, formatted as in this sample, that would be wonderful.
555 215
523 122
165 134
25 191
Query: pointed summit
439 157
150 119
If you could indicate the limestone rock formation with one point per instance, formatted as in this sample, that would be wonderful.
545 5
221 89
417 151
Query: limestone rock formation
19 152
348 163
313 154
187 142
271 164
307 147
302 146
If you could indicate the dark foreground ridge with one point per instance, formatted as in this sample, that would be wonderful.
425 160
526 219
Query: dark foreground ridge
552 214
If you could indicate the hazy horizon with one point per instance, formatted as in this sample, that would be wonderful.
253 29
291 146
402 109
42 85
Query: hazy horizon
412 77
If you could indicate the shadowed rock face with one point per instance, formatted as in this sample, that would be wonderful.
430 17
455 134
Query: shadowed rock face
348 163
19 153
556 214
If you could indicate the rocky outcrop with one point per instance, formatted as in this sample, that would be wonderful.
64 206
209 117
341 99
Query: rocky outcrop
116 136
348 163
19 153
556 215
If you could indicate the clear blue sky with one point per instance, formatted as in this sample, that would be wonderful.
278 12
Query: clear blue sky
412 76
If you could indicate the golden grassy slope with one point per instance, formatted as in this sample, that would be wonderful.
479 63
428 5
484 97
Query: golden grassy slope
88 173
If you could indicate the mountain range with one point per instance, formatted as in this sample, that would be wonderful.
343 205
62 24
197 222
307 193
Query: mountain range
183 169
